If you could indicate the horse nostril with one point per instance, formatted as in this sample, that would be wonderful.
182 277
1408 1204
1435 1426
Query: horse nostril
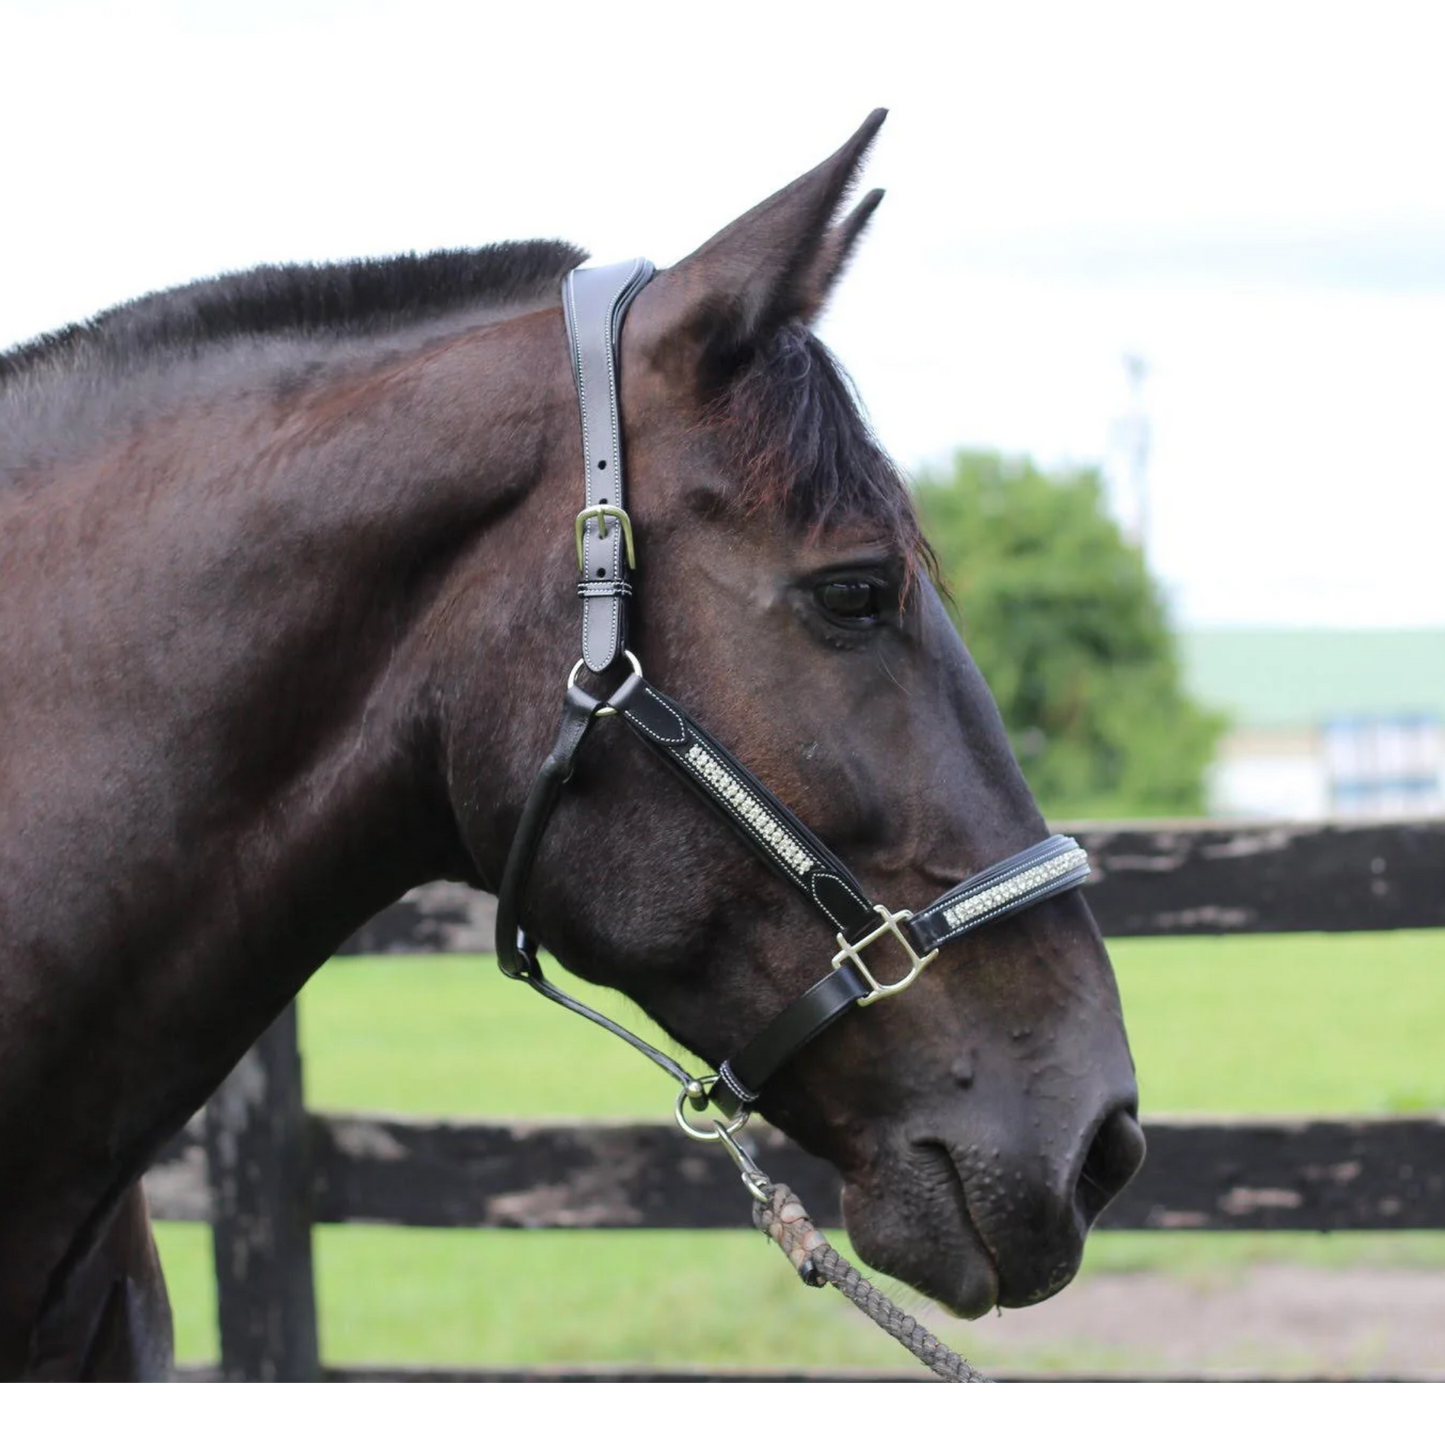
1113 1159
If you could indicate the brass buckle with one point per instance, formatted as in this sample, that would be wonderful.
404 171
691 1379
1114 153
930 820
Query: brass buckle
602 513
852 953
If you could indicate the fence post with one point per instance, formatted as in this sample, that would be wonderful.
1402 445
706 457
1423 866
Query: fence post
258 1155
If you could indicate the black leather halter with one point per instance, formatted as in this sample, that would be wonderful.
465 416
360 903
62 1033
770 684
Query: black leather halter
595 303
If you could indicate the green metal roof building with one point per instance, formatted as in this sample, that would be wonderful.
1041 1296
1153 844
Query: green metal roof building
1271 678
1324 722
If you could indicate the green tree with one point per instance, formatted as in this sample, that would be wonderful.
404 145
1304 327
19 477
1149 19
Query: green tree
1072 634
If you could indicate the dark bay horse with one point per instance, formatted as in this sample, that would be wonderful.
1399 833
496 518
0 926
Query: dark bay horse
287 600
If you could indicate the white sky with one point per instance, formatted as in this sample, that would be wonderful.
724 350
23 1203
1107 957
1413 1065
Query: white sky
1250 197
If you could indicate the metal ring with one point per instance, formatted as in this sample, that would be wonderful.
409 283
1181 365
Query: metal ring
582 662
717 1130
754 1180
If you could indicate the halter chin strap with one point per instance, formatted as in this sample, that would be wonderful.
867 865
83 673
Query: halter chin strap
595 302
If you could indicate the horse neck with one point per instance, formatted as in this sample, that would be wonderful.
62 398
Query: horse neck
223 756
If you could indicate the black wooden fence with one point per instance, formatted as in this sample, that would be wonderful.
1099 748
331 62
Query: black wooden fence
263 1170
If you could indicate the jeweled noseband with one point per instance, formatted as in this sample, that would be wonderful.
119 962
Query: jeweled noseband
595 303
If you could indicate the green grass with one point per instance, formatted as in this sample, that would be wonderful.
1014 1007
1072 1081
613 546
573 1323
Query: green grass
452 1036
1304 1023
1344 1023
1301 1024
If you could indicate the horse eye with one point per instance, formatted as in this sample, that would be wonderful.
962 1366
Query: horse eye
851 599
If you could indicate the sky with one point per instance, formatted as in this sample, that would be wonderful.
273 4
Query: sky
1249 198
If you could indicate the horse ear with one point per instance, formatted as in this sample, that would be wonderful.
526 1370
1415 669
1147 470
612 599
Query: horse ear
835 253
774 265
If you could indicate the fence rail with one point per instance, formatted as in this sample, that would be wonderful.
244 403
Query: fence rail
1185 878
262 1169
1201 1174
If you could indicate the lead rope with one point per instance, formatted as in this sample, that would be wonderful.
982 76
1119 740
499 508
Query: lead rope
779 1213
782 1217
777 1210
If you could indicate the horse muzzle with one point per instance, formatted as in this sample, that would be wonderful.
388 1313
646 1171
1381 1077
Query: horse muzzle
992 1216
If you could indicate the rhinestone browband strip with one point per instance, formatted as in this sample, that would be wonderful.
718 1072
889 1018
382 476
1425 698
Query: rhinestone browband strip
967 910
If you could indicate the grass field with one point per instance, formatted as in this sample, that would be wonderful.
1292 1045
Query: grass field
1303 1024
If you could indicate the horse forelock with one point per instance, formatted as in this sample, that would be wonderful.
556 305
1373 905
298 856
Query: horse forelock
792 429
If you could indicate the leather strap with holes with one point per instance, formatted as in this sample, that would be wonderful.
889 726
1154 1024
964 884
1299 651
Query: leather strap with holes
594 302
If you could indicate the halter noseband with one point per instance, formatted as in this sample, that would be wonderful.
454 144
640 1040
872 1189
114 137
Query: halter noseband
595 301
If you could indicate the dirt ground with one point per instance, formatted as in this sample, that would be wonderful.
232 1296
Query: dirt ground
1264 1320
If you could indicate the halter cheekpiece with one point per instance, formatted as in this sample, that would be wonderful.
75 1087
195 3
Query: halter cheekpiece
595 302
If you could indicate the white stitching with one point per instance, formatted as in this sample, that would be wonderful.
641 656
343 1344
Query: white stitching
803 854
757 833
612 605
725 1072
848 889
812 873
614 563
579 371
818 903
652 732
602 663
745 806
612 397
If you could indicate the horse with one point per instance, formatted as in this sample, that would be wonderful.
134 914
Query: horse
287 601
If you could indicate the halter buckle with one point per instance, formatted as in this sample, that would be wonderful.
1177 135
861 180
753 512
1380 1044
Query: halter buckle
852 953
602 513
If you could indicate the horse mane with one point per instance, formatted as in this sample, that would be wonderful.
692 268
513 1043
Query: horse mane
339 299
792 425
789 419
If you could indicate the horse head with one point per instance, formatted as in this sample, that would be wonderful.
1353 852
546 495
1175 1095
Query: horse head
982 1120
289 589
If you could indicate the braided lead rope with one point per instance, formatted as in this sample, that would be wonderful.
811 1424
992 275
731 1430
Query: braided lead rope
784 1220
